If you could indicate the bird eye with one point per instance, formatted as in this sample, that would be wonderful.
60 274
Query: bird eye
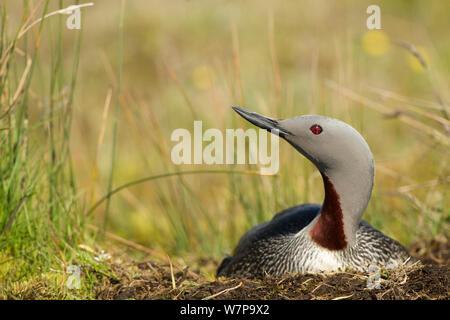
316 129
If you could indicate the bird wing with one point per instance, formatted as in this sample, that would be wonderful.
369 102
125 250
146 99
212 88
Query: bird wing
289 221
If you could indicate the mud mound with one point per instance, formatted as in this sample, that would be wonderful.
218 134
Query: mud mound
149 280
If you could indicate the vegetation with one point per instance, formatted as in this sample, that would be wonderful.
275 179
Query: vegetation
84 112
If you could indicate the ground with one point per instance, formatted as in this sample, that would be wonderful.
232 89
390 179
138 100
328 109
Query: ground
150 280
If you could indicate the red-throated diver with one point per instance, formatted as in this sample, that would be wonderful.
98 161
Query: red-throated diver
310 237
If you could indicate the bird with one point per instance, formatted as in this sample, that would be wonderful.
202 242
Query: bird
313 238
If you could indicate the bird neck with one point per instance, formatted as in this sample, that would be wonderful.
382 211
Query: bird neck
346 197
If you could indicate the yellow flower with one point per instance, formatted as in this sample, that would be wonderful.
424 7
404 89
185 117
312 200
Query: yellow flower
375 42
140 225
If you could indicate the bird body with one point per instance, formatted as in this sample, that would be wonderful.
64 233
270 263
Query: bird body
311 237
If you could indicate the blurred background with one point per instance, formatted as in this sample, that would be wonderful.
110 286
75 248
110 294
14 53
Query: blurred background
104 87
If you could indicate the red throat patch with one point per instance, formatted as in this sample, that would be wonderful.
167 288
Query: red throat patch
328 231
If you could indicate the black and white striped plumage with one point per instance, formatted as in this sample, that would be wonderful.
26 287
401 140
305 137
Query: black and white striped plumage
279 246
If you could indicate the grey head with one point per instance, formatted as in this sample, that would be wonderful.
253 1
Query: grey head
343 158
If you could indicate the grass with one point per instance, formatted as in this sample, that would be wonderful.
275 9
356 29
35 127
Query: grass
65 152
39 221
116 113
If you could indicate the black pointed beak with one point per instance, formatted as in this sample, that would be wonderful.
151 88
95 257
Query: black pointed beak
263 122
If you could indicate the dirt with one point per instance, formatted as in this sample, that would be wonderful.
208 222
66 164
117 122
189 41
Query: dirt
150 280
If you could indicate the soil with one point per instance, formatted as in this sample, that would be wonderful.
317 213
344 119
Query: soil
428 279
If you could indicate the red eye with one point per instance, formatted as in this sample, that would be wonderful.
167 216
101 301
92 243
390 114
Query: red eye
316 129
